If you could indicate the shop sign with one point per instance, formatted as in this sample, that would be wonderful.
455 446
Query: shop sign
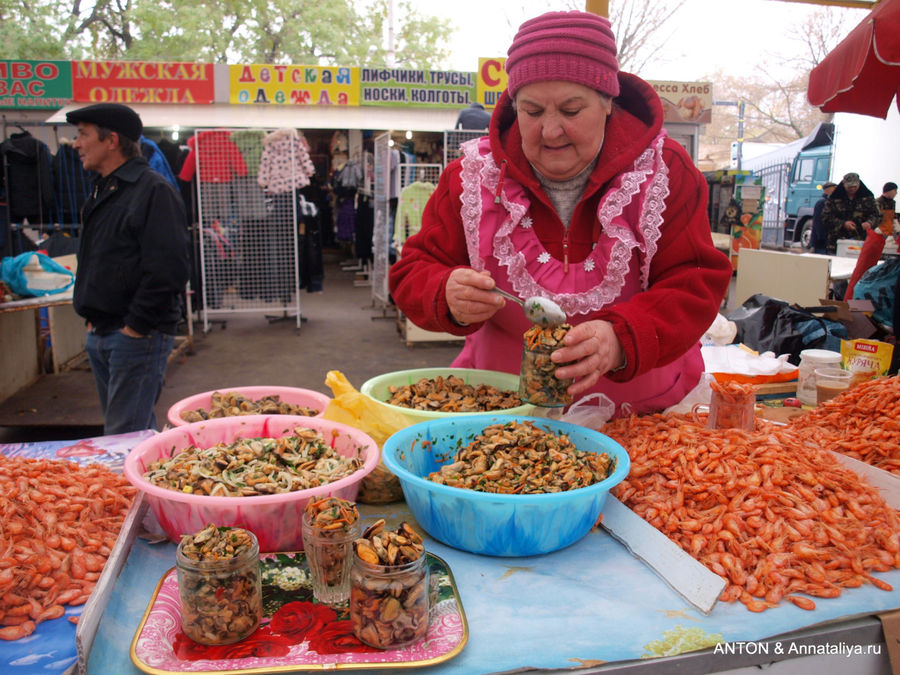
689 102
417 88
35 84
142 82
491 80
294 85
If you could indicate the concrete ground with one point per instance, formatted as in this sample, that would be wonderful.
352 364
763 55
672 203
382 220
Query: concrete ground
344 330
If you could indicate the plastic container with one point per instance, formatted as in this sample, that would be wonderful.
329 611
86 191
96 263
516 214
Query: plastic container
221 600
831 382
376 388
810 359
293 395
274 519
330 557
849 248
489 523
389 603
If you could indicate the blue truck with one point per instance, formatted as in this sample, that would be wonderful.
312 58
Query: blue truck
793 174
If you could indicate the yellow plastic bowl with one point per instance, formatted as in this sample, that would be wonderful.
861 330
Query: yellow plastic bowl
376 388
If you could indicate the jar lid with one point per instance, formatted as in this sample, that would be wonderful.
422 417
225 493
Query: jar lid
821 355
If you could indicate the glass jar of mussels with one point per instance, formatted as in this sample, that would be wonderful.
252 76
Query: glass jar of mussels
219 585
538 383
389 587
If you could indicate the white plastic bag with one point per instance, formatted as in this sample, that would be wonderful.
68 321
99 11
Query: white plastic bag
721 332
591 411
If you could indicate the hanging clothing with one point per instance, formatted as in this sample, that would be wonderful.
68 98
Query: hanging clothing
216 155
250 144
346 220
285 164
71 183
309 243
410 208
29 188
157 160
364 228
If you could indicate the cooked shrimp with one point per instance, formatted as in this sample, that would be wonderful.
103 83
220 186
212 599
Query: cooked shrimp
762 529
55 519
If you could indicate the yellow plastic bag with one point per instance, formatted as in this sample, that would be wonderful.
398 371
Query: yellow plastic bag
348 406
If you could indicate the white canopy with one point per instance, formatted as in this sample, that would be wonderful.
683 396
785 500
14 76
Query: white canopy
168 116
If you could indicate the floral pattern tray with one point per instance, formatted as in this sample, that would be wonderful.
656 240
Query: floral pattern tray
309 635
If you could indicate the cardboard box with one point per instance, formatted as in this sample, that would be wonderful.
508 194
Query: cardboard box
856 315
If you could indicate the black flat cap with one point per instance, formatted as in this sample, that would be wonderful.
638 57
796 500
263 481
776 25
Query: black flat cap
114 116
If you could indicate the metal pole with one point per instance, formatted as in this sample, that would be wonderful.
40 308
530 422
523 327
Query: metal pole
740 148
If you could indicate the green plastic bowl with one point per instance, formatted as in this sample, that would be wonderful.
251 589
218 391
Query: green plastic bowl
376 388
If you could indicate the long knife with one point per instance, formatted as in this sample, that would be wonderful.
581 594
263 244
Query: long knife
689 578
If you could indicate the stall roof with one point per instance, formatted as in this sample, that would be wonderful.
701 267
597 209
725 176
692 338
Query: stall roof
275 116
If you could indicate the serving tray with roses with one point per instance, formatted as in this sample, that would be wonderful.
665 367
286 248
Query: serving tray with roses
296 633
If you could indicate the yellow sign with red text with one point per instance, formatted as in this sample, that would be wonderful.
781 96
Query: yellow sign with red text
294 85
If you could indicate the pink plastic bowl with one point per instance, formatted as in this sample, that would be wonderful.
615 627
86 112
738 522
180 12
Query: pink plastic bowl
293 395
274 519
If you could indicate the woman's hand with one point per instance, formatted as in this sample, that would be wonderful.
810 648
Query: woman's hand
469 296
594 349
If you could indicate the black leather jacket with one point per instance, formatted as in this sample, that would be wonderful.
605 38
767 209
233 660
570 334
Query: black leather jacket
133 258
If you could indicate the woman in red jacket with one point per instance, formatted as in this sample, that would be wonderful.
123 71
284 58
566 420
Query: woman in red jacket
576 195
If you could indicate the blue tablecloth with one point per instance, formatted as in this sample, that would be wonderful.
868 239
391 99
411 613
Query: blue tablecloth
590 603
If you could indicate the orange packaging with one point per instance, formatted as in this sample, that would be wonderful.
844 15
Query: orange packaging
866 359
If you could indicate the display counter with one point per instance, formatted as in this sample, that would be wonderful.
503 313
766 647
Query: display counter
591 606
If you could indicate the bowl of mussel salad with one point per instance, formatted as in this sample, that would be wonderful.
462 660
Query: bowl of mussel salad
256 472
505 485
253 400
436 393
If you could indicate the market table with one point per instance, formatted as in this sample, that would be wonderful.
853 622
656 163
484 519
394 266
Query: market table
584 606
22 359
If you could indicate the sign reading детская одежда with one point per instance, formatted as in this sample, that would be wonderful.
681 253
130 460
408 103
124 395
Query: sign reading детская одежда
142 82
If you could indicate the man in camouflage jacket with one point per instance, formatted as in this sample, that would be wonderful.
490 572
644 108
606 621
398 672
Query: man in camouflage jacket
850 212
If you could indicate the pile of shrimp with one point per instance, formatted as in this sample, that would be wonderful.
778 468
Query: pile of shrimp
773 514
863 423
58 524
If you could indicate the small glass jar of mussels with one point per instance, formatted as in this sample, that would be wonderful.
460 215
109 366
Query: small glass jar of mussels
219 584
389 587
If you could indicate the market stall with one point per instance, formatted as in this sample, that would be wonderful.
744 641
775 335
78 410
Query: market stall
614 603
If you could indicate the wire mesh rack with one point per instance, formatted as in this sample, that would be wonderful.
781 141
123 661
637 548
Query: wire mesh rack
253 231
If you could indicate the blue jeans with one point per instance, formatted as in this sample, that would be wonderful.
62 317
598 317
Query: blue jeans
129 373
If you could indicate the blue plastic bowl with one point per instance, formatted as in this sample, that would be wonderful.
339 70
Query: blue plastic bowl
496 524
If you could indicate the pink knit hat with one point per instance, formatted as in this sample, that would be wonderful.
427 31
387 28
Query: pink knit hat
572 46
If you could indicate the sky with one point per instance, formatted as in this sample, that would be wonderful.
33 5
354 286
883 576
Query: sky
706 34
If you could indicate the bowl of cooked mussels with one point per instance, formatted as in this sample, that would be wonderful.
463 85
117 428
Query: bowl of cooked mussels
255 472
505 485
437 393
253 400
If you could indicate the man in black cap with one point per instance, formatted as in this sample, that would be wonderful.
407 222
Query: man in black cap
818 239
850 212
132 266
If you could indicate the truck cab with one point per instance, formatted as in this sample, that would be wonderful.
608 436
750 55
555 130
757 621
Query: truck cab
809 170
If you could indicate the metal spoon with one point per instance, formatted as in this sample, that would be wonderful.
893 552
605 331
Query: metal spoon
542 311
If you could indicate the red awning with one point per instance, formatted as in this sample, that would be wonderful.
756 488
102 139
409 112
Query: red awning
862 74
